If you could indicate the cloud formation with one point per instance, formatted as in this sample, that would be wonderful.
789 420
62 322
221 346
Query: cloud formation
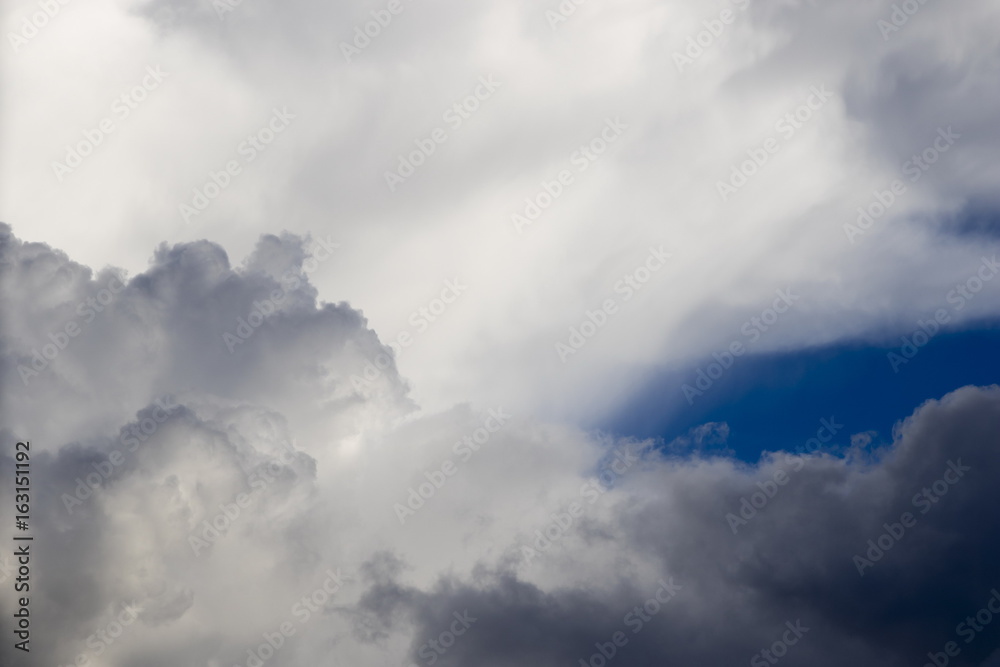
232 505
753 66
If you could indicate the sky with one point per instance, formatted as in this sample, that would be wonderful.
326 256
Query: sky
413 332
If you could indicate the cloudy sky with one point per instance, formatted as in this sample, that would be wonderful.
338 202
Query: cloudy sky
409 332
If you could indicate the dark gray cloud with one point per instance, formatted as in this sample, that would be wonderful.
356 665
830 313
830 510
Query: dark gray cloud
793 560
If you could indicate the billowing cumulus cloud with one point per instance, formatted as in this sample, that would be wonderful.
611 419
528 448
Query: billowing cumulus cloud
275 503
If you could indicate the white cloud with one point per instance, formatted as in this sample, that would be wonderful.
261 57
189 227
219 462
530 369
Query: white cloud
657 185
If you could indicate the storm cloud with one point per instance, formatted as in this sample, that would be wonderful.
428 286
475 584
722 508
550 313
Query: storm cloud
244 481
